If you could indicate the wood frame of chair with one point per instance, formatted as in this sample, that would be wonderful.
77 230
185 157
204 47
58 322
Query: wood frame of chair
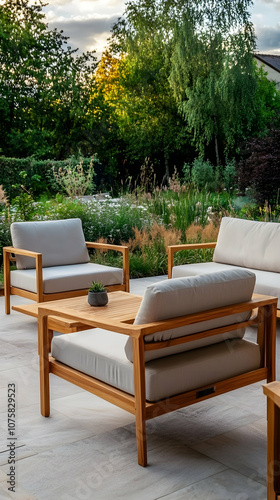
40 296
137 404
172 249
272 391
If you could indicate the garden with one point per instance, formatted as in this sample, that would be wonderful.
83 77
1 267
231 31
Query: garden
146 217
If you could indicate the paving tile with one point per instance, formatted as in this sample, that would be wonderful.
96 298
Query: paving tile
227 485
14 356
4 495
242 449
205 420
36 433
18 494
91 411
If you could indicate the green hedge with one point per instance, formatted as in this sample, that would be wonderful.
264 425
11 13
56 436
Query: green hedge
38 175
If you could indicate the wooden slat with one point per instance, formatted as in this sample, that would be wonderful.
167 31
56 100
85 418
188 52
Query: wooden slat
47 297
23 293
189 398
20 251
192 246
106 246
152 346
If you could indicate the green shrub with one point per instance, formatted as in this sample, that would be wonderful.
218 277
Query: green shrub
73 179
230 176
202 174
5 235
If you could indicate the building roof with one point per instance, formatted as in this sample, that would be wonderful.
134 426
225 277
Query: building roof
271 60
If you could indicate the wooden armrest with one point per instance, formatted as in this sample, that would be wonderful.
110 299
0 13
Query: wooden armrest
21 251
192 246
7 251
172 249
118 248
106 246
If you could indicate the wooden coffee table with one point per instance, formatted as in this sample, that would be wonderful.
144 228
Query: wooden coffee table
122 306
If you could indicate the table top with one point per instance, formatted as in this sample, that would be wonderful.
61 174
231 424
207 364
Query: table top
122 306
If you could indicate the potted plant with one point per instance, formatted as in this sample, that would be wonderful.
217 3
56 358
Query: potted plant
97 294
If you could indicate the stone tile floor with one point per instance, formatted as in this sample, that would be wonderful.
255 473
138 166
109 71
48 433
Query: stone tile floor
86 449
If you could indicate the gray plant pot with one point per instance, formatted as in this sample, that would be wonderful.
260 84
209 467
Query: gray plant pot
97 299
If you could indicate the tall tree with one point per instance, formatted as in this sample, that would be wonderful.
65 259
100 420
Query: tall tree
212 73
149 121
44 85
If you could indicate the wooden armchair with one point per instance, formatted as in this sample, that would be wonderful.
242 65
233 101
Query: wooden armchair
246 244
185 345
53 262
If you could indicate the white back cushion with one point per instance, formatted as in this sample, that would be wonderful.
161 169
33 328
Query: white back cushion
61 242
248 243
181 296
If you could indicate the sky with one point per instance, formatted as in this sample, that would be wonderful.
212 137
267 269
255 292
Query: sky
88 22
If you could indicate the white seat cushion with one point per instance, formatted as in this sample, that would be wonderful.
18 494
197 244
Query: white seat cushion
267 282
186 270
100 354
61 242
179 297
65 278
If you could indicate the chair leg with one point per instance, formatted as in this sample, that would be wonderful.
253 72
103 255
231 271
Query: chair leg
141 442
140 400
7 281
7 301
43 334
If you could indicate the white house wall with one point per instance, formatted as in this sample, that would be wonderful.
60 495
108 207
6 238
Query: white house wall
272 74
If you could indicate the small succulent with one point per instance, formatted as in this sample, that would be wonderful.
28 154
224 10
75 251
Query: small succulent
97 286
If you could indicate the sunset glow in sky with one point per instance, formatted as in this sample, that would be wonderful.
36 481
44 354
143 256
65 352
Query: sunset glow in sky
88 22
